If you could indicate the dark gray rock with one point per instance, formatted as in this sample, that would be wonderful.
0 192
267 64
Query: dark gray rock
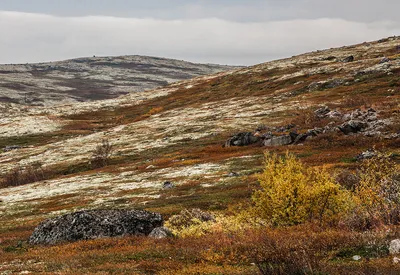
168 185
300 138
285 128
233 174
242 139
384 60
160 233
11 147
329 58
352 126
278 141
321 112
93 224
350 58
314 132
370 153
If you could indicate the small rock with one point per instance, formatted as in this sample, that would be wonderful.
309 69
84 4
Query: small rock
11 147
334 114
384 60
300 138
160 233
330 58
348 59
321 112
356 257
168 185
396 260
394 246
370 153
233 174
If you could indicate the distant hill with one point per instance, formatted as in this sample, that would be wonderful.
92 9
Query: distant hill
95 78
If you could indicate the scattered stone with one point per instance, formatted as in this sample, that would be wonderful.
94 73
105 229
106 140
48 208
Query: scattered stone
322 112
161 233
93 224
334 114
314 132
261 127
278 141
356 257
396 260
284 128
384 60
168 185
352 126
233 174
348 59
329 58
242 139
11 147
300 138
394 246
370 153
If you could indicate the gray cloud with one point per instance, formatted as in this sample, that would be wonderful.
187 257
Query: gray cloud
233 10
26 37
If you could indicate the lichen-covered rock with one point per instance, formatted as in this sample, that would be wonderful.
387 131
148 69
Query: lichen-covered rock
161 233
394 246
278 141
353 126
92 224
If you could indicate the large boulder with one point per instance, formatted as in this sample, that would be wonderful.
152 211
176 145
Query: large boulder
242 139
93 224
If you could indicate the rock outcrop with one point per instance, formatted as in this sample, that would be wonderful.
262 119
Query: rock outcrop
93 224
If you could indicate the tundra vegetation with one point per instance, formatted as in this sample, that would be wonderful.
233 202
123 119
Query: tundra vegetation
324 199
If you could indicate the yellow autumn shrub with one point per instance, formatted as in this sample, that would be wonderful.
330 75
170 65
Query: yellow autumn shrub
377 193
291 193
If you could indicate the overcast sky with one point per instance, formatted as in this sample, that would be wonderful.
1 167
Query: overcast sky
226 32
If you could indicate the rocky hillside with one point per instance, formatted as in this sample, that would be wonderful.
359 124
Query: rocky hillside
203 138
96 78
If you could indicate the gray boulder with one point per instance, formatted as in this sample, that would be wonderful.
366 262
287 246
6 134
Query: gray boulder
93 224
321 112
394 246
242 139
161 233
352 126
278 141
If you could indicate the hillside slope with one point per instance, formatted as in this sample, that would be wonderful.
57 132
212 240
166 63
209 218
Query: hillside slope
176 133
95 78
